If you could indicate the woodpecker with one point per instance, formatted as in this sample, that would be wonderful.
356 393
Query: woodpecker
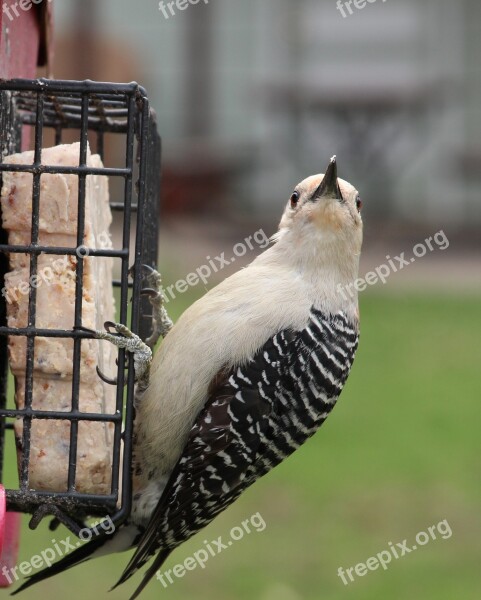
247 374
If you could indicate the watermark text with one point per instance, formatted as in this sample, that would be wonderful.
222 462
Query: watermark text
395 551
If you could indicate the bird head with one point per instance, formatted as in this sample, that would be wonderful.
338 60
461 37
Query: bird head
324 212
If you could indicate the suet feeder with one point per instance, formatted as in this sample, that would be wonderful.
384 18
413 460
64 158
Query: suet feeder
90 111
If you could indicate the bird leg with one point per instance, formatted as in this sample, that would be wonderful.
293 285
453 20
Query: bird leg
124 338
162 323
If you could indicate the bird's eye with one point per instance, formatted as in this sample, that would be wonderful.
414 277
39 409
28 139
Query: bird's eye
358 204
294 199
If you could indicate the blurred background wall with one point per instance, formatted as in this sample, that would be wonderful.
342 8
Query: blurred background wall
253 95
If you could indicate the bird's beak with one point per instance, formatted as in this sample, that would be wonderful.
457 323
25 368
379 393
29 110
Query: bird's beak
329 188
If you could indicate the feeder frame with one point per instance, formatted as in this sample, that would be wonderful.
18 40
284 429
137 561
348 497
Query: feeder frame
93 108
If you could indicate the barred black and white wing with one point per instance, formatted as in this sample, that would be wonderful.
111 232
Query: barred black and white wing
256 416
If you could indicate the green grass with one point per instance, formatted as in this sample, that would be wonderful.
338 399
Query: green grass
399 454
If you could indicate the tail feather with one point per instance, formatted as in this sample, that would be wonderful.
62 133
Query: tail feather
131 570
158 562
76 557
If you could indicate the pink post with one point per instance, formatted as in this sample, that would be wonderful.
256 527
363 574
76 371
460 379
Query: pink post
9 539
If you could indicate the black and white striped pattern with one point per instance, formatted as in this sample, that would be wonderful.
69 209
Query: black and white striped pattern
257 416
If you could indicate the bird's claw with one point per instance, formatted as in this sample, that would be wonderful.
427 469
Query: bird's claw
125 339
108 325
161 322
119 335
104 378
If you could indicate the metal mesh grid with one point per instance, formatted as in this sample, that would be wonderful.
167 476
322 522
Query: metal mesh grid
87 107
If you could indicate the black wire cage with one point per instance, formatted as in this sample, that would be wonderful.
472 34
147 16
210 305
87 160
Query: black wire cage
88 112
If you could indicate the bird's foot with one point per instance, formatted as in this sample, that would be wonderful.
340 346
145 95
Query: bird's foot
124 338
162 323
